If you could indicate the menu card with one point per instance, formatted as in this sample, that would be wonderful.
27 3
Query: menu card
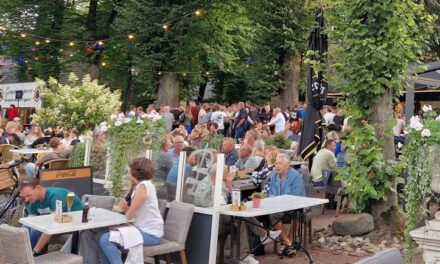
59 210
236 197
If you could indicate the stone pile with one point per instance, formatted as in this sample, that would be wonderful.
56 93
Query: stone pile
355 246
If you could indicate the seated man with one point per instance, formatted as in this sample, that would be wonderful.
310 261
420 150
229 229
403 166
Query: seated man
42 201
231 154
285 180
324 159
59 152
246 161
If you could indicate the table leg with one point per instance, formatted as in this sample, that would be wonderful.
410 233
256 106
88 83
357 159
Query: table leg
235 239
75 242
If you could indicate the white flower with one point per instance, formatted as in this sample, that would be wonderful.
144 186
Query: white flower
113 117
139 121
121 115
406 132
426 133
103 124
103 128
437 118
118 123
415 123
126 120
427 108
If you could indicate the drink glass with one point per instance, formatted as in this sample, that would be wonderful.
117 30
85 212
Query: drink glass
69 200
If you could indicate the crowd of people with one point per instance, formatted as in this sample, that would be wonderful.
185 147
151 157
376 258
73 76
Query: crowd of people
245 126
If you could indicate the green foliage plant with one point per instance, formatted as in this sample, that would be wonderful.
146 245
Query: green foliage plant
76 158
278 140
78 103
213 141
422 141
129 138
373 45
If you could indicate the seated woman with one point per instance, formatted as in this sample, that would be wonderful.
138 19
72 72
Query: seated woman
34 135
59 152
144 209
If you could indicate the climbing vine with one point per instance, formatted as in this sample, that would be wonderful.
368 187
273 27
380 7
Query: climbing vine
422 144
129 138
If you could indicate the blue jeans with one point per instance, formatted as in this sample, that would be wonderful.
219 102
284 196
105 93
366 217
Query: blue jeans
109 251
31 169
239 132
34 236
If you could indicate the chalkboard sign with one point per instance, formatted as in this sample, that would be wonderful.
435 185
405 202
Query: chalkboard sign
78 180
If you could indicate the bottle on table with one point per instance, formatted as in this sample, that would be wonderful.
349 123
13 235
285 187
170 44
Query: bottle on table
85 212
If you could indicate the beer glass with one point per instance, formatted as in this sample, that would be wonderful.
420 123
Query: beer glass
70 197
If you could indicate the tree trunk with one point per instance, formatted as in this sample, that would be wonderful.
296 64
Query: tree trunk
58 17
289 95
92 18
385 213
168 90
94 71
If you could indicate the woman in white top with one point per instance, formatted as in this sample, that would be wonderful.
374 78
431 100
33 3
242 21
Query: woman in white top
143 208
33 135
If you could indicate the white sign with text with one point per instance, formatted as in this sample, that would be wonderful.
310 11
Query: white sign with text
31 95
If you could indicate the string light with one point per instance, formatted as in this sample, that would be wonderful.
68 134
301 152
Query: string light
100 43
103 64
184 74
47 41
166 26
23 35
207 72
199 12
131 36
160 73
71 43
37 43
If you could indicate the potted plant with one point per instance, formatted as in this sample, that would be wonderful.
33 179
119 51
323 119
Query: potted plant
256 199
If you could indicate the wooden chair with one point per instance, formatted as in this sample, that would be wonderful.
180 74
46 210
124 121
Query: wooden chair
6 154
176 230
57 164
15 247
40 155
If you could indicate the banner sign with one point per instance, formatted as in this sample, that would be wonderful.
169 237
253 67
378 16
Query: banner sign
20 94
78 180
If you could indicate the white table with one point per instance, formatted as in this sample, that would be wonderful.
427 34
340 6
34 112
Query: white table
101 218
271 205
27 151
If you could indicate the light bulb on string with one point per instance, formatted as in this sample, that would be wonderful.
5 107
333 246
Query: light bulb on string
131 36
71 43
47 41
207 72
160 73
103 64
184 74
166 26
37 43
100 43
23 35
199 12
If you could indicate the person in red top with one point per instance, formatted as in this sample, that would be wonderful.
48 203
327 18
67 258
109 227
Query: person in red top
12 112
195 113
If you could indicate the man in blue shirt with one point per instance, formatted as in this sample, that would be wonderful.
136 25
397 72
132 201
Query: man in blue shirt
231 154
285 181
42 201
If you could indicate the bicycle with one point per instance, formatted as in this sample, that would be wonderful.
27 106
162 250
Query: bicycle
10 201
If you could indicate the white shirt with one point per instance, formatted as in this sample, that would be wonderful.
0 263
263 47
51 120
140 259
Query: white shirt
218 117
279 123
329 116
397 130
148 218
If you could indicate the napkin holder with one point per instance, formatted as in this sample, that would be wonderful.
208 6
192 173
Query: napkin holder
66 218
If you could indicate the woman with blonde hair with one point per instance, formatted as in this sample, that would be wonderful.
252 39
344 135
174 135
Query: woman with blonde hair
262 178
35 133
258 149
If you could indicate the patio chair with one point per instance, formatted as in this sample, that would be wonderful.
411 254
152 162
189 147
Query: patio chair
162 207
6 154
176 230
57 164
384 257
15 247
